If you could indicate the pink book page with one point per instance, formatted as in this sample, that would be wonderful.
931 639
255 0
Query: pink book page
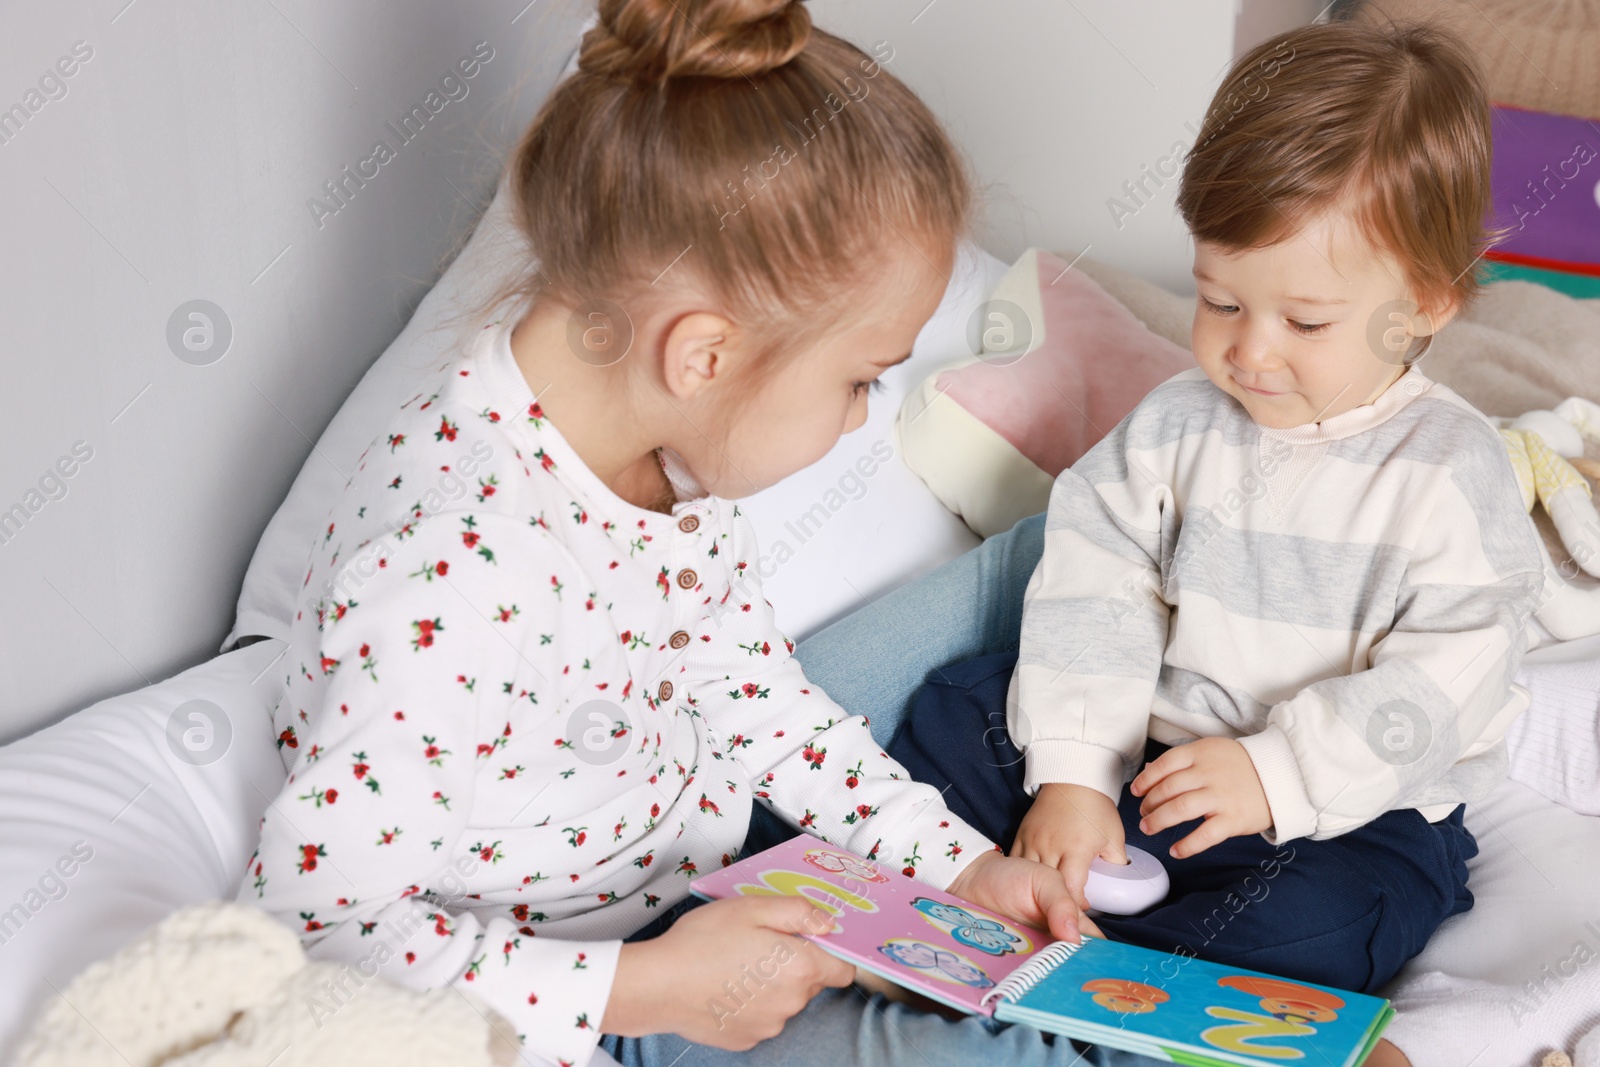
910 933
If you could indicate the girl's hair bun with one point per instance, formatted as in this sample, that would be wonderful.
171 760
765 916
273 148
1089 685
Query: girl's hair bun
649 41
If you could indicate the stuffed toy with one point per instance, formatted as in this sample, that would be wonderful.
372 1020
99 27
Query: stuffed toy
1547 452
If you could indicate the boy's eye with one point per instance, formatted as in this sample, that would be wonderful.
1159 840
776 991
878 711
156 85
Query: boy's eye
857 388
1309 328
1218 309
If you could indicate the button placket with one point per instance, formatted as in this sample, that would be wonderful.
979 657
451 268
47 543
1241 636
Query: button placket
685 579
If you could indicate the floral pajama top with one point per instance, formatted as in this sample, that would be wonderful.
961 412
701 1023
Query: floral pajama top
522 714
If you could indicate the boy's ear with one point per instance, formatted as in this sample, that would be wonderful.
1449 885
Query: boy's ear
1430 320
695 353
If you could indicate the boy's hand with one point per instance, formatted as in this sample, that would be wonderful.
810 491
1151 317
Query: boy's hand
1023 890
1067 826
1212 777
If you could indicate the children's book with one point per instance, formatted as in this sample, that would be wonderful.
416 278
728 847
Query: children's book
1170 1006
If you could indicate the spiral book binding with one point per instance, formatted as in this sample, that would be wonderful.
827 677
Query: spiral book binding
1030 974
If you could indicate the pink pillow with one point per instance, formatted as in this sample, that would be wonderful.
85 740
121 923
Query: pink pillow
1092 366
1061 363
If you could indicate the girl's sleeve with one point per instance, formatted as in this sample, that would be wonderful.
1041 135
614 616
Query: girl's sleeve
428 639
1425 723
1094 617
811 762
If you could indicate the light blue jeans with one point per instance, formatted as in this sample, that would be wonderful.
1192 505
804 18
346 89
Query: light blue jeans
873 662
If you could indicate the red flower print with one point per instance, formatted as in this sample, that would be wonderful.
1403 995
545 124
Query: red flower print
434 754
425 629
331 795
308 857
447 430
909 872
441 568
814 756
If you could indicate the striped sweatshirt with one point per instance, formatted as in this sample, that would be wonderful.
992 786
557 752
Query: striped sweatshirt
1349 599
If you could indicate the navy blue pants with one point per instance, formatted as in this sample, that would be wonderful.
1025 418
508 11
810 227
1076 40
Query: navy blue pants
1347 912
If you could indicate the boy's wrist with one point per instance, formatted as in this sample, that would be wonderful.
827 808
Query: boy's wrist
1060 761
1293 814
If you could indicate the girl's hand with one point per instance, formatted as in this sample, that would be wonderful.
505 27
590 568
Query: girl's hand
1212 777
675 983
1067 826
1026 891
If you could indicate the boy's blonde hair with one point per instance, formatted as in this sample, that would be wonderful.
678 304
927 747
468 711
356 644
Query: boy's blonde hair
1395 117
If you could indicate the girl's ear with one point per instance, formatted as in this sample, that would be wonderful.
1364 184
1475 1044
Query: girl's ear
695 353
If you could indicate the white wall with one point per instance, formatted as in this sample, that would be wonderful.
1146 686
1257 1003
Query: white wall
1058 105
178 166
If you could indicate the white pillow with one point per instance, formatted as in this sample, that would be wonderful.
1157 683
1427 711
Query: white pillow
120 814
849 548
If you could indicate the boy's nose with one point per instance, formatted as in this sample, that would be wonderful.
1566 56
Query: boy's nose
1253 353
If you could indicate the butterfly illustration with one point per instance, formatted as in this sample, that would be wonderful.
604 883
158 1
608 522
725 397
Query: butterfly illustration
925 957
841 863
985 935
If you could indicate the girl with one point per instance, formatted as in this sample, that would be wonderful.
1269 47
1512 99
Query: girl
536 689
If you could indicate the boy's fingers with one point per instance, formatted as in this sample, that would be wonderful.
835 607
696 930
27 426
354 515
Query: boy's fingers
1194 804
1173 759
1209 833
1173 785
1115 852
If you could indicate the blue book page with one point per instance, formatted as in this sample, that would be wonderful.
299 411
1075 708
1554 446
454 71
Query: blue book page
1188 1010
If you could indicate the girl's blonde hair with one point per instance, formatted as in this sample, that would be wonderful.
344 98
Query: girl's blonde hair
1394 116
731 148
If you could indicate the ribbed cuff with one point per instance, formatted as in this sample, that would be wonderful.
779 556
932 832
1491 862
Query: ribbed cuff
1293 814
1060 760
